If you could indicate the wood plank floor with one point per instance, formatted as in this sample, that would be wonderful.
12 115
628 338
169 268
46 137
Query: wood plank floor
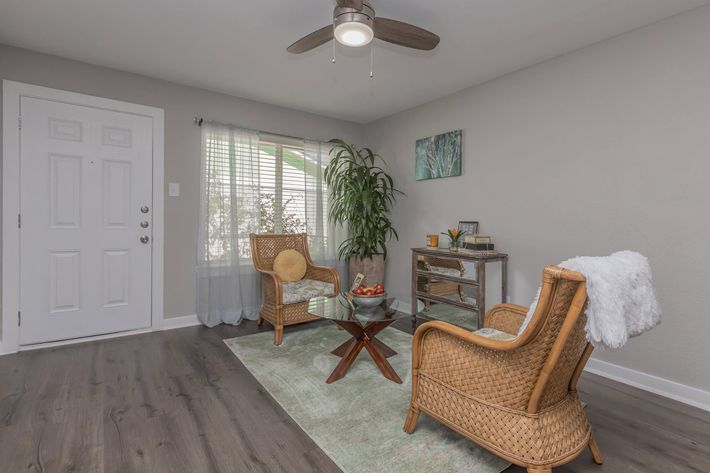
179 401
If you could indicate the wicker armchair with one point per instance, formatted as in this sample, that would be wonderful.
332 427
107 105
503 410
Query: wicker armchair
264 249
515 396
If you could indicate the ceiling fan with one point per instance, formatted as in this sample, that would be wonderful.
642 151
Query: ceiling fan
355 25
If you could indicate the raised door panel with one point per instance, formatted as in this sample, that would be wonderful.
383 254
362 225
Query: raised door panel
63 129
64 281
116 190
116 136
116 278
65 191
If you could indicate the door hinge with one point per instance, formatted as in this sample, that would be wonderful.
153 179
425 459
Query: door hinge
19 318
19 220
19 123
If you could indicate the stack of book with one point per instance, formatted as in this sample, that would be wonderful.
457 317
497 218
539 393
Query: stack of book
478 242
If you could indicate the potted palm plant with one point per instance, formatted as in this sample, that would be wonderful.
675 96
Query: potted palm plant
362 195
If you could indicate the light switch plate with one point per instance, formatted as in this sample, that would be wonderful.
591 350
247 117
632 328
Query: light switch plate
174 189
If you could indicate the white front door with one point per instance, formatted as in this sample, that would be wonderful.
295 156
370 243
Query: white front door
86 219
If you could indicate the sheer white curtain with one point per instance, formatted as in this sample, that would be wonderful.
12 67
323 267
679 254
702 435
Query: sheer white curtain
324 238
228 287
253 185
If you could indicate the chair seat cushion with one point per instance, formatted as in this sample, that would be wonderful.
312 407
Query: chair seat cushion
290 265
300 291
494 334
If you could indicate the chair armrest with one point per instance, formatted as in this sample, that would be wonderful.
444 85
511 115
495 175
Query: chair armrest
325 274
271 287
475 365
506 317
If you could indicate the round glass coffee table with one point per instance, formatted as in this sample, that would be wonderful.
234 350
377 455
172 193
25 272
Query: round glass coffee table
363 324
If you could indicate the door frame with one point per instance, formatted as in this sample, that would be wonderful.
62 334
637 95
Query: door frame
12 94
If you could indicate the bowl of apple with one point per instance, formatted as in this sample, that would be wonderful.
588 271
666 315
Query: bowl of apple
369 297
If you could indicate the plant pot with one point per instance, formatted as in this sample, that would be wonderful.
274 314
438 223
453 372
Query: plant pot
373 269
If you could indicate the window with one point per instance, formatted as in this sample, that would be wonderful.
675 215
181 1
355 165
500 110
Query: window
261 183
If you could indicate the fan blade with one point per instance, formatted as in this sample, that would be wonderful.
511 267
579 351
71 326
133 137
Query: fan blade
356 4
404 34
312 40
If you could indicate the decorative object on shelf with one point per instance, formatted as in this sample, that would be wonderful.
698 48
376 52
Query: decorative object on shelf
362 195
432 241
439 156
454 235
478 239
478 242
470 227
426 279
478 246
474 241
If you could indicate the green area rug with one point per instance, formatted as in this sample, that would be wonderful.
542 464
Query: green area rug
357 421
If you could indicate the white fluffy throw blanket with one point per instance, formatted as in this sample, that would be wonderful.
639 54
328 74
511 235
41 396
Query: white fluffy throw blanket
622 300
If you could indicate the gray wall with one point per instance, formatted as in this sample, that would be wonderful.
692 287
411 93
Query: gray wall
604 149
182 141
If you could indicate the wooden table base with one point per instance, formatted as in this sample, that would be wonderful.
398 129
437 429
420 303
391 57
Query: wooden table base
364 337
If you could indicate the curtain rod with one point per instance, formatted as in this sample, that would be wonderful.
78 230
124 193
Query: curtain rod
200 120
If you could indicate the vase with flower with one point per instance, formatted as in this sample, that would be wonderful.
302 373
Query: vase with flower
454 235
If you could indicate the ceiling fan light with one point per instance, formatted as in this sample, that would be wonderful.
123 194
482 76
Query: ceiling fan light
353 34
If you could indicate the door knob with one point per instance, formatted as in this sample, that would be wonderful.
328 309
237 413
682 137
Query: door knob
145 209
144 224
144 239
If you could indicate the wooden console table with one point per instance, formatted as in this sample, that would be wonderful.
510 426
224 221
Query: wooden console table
480 259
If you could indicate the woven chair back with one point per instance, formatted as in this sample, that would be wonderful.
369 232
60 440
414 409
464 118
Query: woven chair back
266 246
558 345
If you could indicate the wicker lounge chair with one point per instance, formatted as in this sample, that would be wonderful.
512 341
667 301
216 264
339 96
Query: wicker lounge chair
287 303
514 395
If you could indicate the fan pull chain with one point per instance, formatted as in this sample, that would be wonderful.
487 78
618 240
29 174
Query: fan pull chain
372 72
334 42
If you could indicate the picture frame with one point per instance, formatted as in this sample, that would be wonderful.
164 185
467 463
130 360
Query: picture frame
469 226
439 156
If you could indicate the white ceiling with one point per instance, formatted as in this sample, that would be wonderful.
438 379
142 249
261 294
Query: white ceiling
239 47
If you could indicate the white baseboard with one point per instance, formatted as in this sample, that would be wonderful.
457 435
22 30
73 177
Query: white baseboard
59 343
180 322
648 382
638 379
168 324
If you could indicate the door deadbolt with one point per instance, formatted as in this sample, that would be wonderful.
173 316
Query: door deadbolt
145 209
144 239
144 224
